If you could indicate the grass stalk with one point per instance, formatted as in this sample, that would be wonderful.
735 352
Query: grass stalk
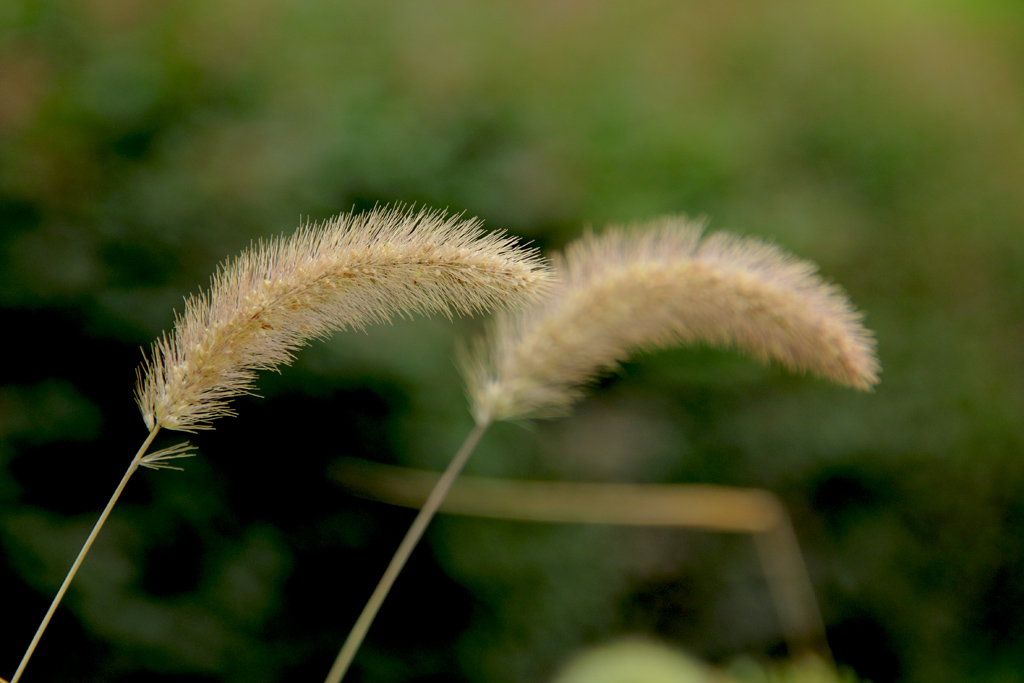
277 296
654 286
136 461
401 556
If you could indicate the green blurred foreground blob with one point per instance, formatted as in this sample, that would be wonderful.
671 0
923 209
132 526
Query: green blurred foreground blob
638 661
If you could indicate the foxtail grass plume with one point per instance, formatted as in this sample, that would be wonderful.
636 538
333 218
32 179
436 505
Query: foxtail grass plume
345 273
654 286
643 288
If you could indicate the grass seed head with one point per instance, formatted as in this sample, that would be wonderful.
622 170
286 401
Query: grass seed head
659 285
347 272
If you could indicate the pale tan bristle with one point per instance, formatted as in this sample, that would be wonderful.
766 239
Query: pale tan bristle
347 272
659 285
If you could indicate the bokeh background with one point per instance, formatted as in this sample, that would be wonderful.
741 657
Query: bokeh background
142 142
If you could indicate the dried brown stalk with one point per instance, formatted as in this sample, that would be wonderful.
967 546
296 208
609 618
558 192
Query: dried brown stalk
695 506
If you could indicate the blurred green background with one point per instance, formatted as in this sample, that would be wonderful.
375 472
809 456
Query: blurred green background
143 141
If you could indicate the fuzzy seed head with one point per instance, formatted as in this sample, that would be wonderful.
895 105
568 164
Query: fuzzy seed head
655 286
348 272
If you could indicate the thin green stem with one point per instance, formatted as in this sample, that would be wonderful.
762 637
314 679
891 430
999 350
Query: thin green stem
412 537
81 554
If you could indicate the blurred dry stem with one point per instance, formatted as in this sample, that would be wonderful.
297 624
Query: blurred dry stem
698 506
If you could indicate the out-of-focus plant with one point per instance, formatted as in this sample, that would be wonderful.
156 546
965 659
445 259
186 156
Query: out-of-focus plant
656 285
